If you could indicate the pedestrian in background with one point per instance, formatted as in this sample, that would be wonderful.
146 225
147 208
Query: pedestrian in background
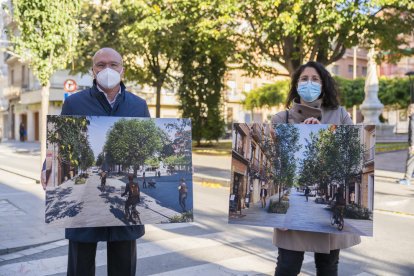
263 195
312 99
22 132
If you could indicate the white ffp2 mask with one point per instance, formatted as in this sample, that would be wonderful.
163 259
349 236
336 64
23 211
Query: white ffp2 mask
108 78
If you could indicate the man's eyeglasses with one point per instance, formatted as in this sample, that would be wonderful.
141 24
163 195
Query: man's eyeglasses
112 65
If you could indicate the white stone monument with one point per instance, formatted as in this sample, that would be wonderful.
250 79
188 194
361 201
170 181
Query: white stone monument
371 107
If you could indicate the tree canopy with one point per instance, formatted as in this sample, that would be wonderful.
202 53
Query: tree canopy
267 96
292 32
131 142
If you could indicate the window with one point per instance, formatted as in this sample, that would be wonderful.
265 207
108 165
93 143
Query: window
350 69
335 69
364 70
12 77
247 87
232 87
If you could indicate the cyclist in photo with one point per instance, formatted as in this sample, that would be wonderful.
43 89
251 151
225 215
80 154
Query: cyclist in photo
339 203
133 191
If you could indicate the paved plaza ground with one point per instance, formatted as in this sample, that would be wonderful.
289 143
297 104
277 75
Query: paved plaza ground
301 215
87 205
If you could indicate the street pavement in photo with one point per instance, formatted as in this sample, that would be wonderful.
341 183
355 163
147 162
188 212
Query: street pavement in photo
87 205
310 216
302 215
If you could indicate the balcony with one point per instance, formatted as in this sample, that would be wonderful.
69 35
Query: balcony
12 92
239 150
254 165
257 132
369 155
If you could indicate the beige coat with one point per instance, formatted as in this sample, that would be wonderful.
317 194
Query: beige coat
303 240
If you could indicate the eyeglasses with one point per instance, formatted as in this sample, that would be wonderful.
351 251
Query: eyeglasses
312 79
112 65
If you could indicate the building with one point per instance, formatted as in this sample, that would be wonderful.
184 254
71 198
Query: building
251 166
23 97
353 64
364 195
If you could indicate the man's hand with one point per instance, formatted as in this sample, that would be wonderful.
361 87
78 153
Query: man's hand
311 121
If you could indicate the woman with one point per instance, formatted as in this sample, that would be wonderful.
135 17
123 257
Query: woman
312 99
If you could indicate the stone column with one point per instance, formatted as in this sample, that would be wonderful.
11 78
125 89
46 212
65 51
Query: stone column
30 126
371 107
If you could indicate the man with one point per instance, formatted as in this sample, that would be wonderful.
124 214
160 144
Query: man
339 202
103 179
132 189
182 194
107 97
307 191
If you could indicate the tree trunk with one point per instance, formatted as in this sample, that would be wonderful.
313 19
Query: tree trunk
158 100
43 121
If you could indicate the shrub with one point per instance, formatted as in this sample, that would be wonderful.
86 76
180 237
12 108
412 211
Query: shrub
80 180
357 212
278 207
184 217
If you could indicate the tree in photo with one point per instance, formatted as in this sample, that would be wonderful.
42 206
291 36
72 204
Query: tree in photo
132 142
69 134
46 36
293 32
178 152
283 149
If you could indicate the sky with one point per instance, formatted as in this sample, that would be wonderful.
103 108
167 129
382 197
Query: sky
99 126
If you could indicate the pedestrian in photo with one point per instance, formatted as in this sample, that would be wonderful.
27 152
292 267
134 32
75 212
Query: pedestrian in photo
182 194
159 173
106 97
307 192
103 179
263 195
312 99
144 183
22 132
352 197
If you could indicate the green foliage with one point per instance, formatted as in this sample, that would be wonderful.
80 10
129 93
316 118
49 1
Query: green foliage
46 35
267 96
70 136
131 142
333 155
100 159
203 59
357 212
282 150
184 217
294 31
152 162
393 92
278 207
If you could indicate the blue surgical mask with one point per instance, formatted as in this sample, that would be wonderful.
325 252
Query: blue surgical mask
309 91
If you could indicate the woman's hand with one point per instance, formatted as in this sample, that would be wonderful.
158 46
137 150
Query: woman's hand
311 121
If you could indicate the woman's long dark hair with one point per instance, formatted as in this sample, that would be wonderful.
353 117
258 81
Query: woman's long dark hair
329 93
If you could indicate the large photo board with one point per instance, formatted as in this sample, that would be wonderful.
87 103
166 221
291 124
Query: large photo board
308 177
113 171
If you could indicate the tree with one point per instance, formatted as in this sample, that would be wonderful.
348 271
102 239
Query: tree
154 39
292 32
283 149
266 96
70 136
131 142
205 52
46 35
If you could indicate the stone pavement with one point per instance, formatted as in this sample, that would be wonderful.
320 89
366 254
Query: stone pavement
22 214
85 205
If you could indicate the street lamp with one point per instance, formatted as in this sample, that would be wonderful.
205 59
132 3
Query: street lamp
409 167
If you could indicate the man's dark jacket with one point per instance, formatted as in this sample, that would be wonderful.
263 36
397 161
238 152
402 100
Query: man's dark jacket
92 102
